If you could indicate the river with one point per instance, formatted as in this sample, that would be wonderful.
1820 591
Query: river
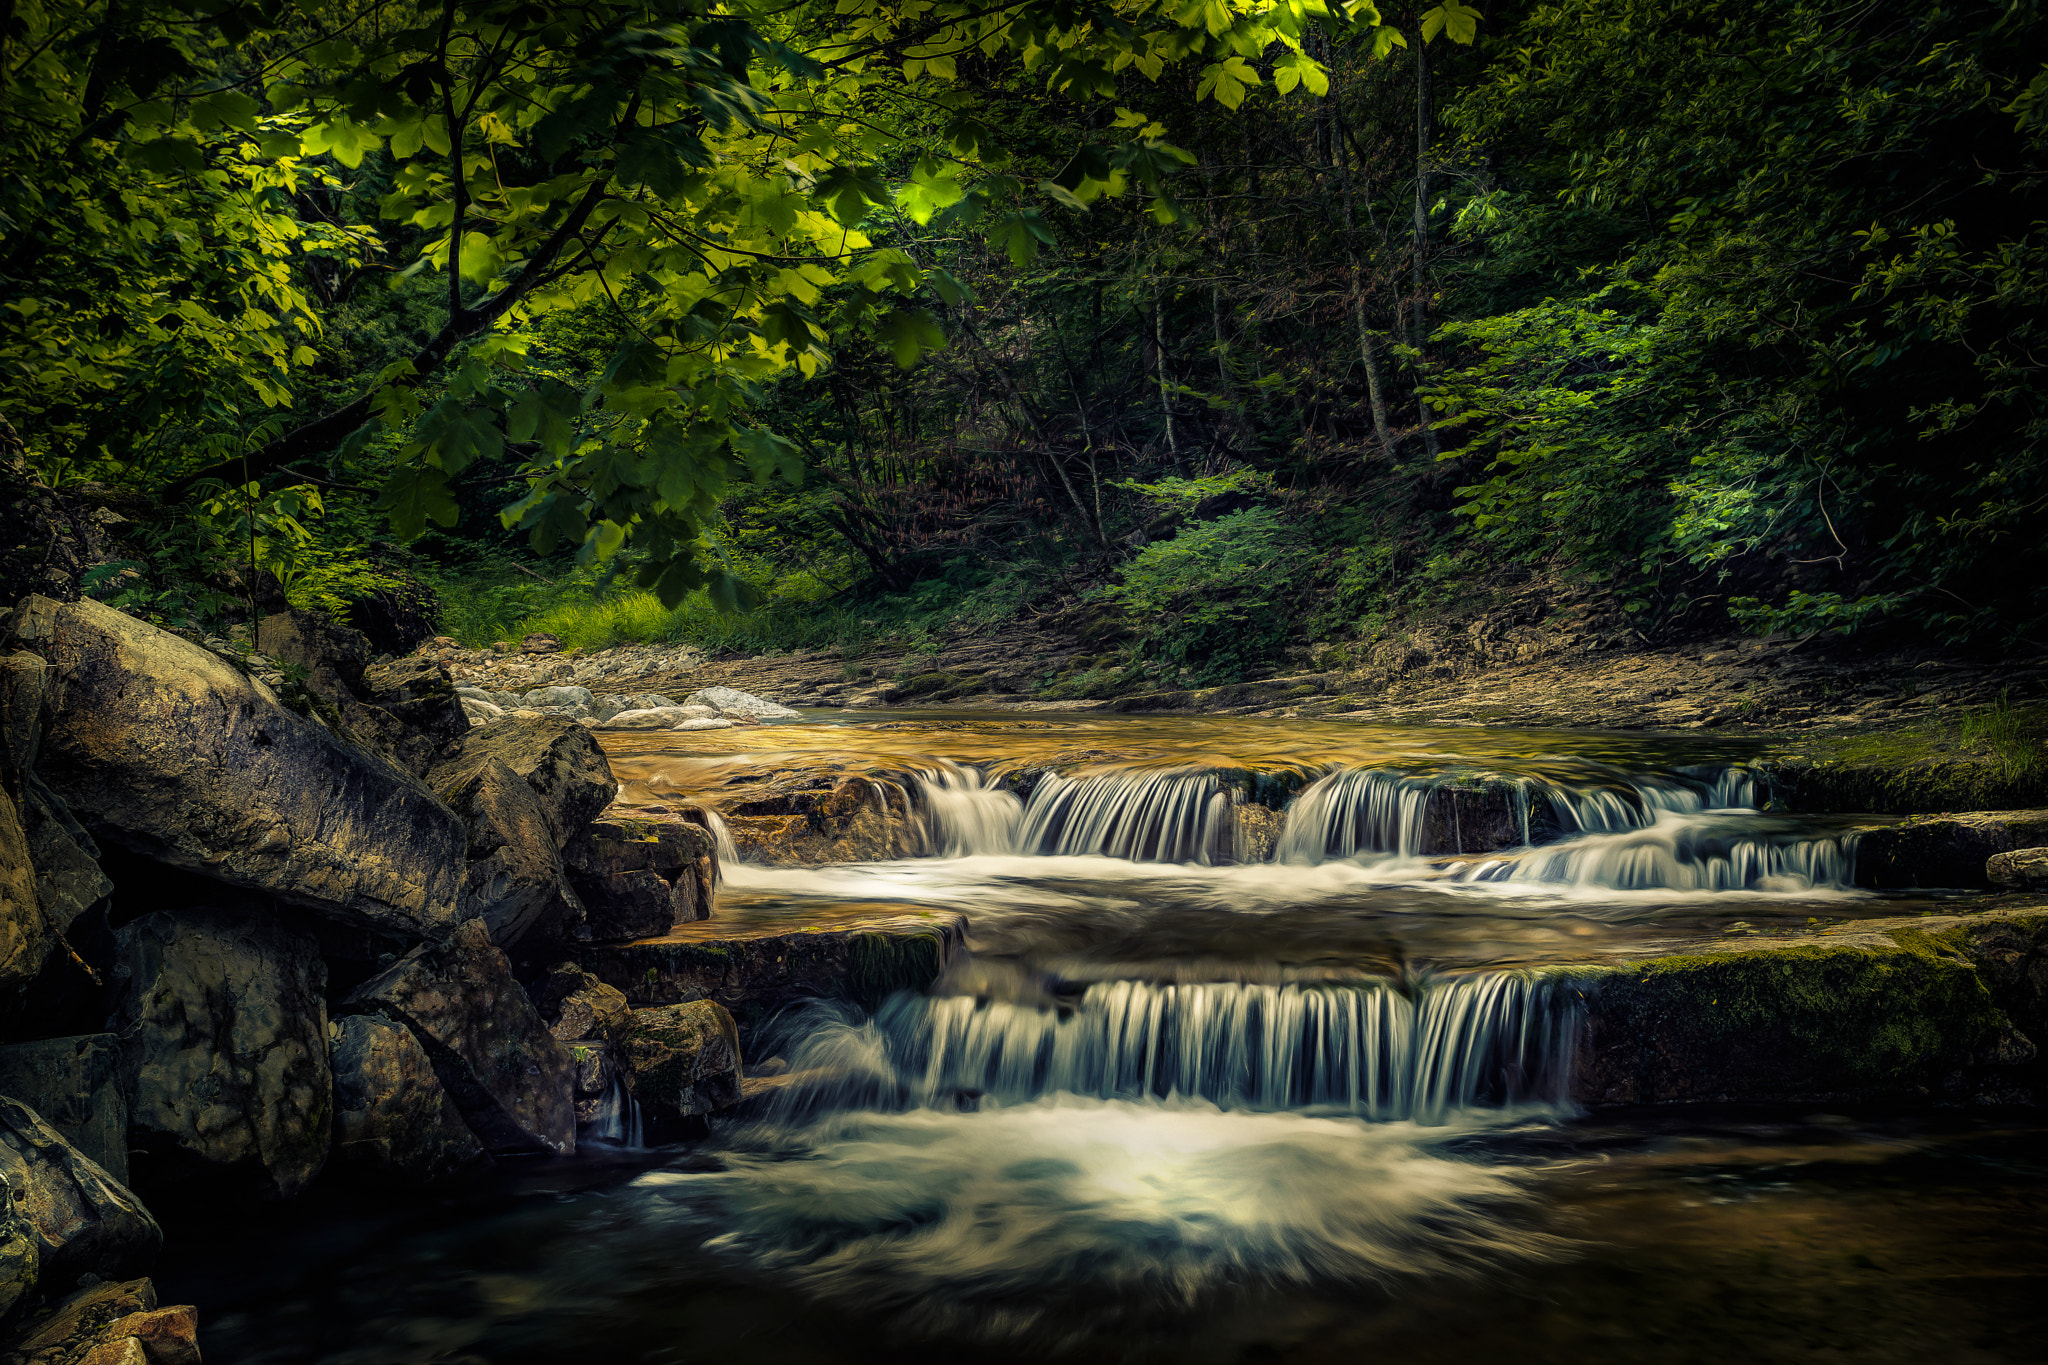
1212 1087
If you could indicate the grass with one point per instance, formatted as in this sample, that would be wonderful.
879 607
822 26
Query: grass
2015 737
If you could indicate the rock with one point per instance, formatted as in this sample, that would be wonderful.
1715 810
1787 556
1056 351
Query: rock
117 1351
420 715
164 749
658 718
79 1323
683 1061
69 881
507 1074
2022 869
576 1004
168 1336
1946 850
638 877
21 1256
480 712
25 935
392 1115
75 1084
548 698
706 724
540 644
24 698
651 701
332 655
1258 832
556 757
515 880
729 702
222 1020
86 1222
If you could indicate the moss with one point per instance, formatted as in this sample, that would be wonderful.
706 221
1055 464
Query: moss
1809 1018
1950 764
879 965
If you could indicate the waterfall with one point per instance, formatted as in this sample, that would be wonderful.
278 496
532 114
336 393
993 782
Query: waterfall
1683 852
1489 1041
728 851
1177 816
619 1119
962 812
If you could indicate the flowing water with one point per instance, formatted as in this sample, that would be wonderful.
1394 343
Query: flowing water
1246 1061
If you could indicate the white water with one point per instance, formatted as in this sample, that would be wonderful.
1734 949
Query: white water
620 1120
1181 816
962 812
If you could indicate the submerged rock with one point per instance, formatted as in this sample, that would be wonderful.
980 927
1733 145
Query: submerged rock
222 1020
167 750
392 1115
85 1221
75 1084
683 1062
2022 869
507 1074
557 757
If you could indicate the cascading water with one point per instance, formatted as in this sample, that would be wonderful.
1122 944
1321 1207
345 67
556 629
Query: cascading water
1180 816
963 812
1491 1041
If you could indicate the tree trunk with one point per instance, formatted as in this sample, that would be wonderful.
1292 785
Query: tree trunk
1419 329
1165 390
1368 353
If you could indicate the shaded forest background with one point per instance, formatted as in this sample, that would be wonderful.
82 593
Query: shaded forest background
1724 317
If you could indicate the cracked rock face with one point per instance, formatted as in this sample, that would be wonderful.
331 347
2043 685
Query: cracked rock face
508 1075
555 756
392 1115
84 1220
222 1020
167 750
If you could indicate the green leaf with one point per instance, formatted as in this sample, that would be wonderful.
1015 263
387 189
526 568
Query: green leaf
1458 20
1020 234
414 496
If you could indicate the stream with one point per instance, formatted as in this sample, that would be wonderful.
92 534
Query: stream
1210 1084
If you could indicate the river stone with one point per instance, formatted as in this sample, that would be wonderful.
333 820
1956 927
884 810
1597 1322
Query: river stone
166 1336
555 756
559 697
656 718
506 1073
1945 850
75 1084
2022 869
392 1115
222 1018
708 723
729 701
481 712
86 1221
576 1005
683 1061
25 936
69 881
167 750
515 881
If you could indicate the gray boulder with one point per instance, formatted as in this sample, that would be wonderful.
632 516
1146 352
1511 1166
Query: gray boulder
1945 850
729 701
418 716
638 877
515 879
86 1222
392 1115
559 698
2022 869
507 1074
75 1084
656 718
555 756
645 701
222 1020
166 749
709 723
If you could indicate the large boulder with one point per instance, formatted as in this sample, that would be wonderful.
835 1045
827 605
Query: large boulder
21 1254
222 1018
86 1222
24 695
507 1074
682 1062
592 1021
555 756
515 879
167 750
75 1084
98 1323
417 717
392 1115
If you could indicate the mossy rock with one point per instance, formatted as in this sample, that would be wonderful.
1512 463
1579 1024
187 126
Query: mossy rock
1805 1021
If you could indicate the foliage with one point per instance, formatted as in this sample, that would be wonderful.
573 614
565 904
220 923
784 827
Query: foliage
1213 602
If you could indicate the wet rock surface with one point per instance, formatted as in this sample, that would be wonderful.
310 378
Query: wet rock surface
75 1085
682 1062
222 1020
1945 850
515 880
165 749
507 1074
556 757
86 1222
639 876
392 1116
2021 869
